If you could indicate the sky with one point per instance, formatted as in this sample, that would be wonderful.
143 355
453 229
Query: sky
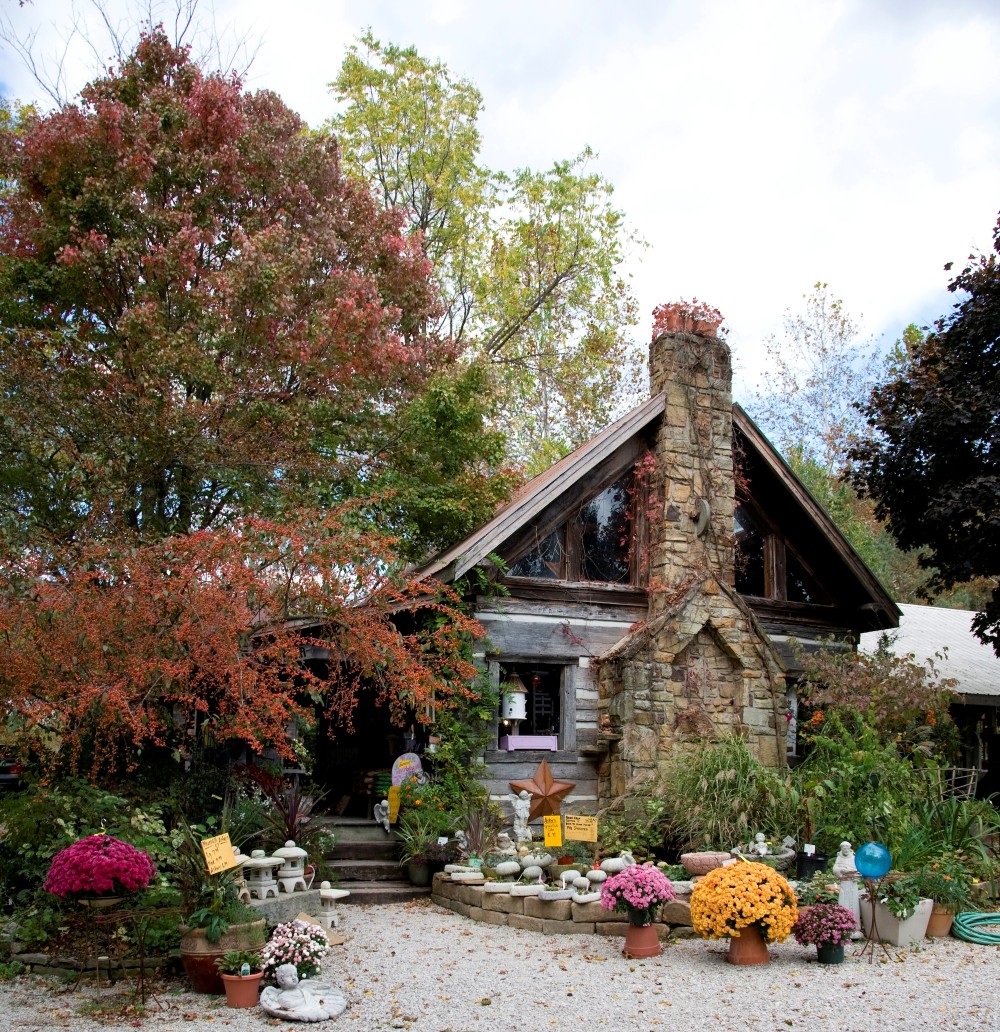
757 148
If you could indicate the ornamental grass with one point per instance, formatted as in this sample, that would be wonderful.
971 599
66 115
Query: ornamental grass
739 895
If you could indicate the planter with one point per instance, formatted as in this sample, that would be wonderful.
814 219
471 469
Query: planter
940 922
242 990
99 902
697 864
890 929
748 948
512 742
419 873
809 864
198 955
827 953
641 941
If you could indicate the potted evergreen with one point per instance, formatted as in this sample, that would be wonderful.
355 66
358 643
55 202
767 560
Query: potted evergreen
241 972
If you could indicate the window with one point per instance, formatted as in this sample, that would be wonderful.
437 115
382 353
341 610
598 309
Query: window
542 703
766 566
595 544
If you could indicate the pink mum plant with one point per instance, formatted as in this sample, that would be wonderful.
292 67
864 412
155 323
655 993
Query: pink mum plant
99 865
824 924
640 890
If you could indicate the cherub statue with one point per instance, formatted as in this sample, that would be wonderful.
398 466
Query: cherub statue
300 1001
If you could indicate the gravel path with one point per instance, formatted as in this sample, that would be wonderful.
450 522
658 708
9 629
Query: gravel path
417 966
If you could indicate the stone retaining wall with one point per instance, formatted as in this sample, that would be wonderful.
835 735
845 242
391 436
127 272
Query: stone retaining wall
555 917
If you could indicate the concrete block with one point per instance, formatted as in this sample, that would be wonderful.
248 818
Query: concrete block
525 923
470 895
565 928
487 916
555 910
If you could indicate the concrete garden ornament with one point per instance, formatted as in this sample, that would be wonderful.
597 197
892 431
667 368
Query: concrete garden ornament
304 1000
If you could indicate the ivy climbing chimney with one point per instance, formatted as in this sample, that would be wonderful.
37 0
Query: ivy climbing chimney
692 367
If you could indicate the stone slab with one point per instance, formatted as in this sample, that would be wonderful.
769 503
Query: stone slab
677 912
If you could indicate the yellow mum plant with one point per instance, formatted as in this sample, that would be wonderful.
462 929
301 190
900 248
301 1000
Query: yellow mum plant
732 898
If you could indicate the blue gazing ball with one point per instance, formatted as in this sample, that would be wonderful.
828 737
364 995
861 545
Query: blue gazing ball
873 860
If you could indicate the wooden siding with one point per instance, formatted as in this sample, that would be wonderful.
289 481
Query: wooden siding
566 765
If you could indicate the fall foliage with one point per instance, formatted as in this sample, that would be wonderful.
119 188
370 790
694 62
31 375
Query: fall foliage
216 379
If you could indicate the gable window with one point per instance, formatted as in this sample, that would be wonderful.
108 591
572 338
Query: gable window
766 566
594 544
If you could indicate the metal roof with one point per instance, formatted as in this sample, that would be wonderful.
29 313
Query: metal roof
925 631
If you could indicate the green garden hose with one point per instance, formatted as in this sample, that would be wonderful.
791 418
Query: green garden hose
967 927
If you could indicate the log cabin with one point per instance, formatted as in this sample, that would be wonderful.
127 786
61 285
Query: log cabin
649 585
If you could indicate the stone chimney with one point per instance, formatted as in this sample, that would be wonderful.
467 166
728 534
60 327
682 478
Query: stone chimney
694 459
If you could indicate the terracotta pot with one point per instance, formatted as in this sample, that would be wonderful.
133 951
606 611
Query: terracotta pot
198 955
642 941
748 948
703 862
940 922
242 990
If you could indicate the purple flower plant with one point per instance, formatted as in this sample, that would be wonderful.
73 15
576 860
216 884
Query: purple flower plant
99 865
824 924
640 890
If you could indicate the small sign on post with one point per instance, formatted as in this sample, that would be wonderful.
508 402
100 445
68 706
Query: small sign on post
552 826
219 855
580 828
394 799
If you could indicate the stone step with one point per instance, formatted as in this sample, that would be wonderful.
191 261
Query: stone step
351 870
358 829
386 851
383 891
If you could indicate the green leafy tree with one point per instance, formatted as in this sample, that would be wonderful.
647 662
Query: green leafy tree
933 469
526 263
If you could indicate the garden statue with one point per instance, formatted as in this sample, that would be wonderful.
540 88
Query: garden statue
846 872
522 808
759 844
380 811
463 842
505 845
300 1001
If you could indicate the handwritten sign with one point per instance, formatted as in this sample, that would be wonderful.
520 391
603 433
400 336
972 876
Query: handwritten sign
552 825
394 797
219 855
580 828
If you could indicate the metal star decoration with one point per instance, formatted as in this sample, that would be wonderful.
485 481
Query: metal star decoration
546 793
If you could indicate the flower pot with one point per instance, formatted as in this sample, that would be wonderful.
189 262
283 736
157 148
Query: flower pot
827 953
809 864
198 955
641 941
702 862
242 990
748 948
940 922
419 873
890 929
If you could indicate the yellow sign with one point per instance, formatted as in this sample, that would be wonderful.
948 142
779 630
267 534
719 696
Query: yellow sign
580 828
553 829
394 795
219 855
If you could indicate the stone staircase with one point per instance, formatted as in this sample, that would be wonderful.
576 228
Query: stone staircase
365 862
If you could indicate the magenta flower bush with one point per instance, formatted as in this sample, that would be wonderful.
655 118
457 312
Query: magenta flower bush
640 890
297 942
824 924
99 865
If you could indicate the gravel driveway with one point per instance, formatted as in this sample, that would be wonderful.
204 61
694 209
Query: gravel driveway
417 966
